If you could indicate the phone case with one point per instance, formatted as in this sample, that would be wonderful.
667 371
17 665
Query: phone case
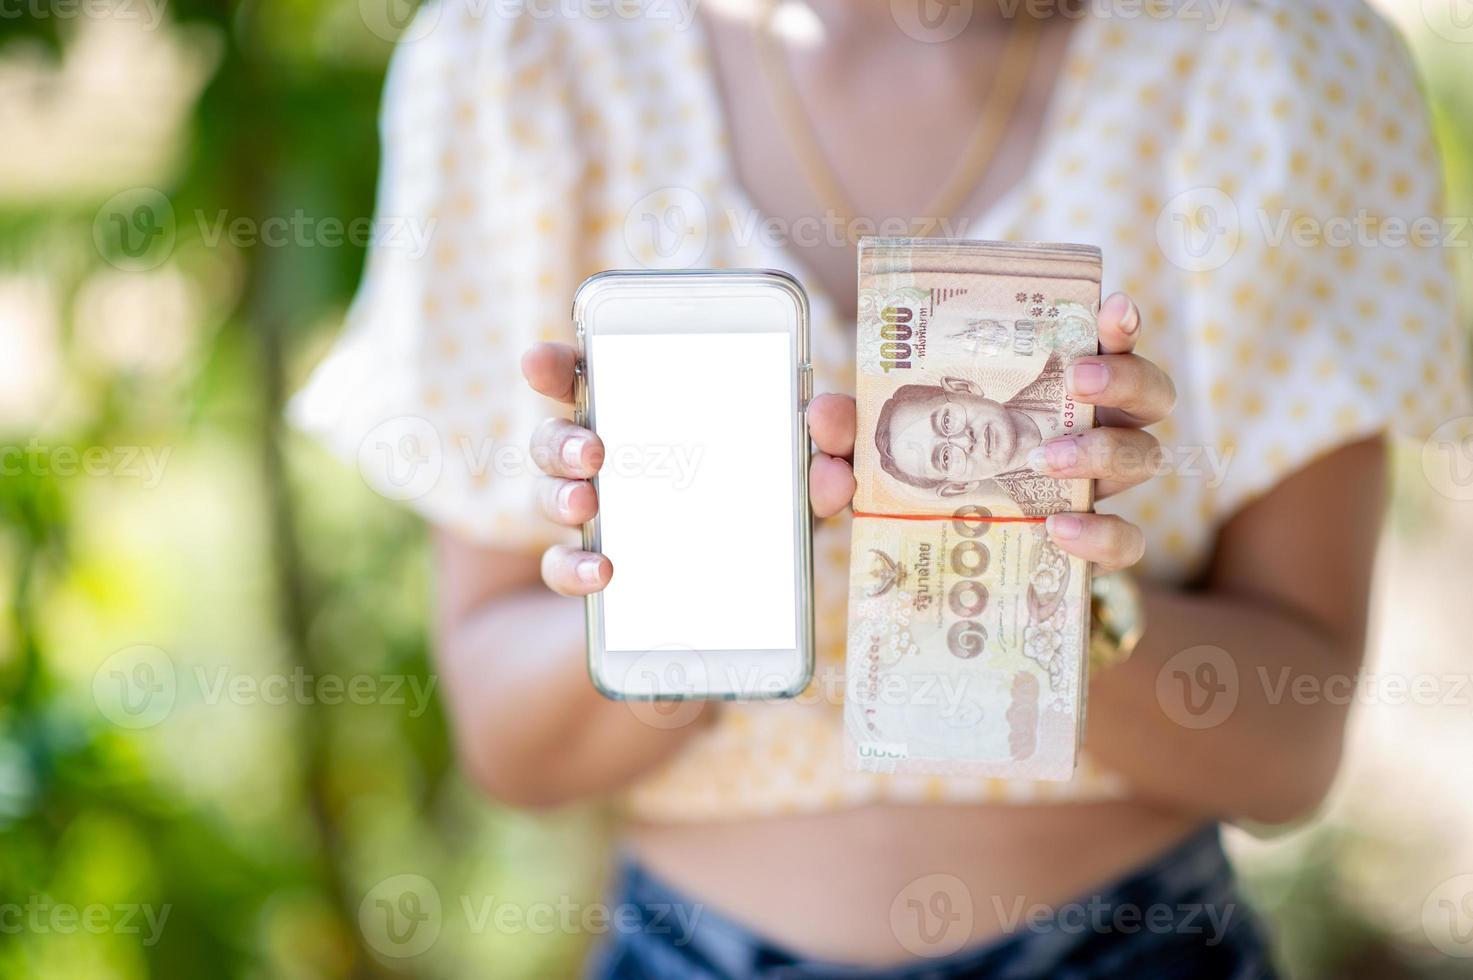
585 304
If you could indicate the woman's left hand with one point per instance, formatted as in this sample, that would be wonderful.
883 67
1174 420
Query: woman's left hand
1128 392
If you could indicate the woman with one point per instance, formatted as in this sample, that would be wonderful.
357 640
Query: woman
546 146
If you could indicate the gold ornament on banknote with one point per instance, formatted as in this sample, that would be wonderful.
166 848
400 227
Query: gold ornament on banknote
967 626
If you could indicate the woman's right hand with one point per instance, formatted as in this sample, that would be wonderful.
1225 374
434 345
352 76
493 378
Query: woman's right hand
569 455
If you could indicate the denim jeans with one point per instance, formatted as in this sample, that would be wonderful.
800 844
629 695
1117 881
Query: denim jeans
1180 916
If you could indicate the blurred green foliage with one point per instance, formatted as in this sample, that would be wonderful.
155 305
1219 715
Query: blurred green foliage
229 836
239 837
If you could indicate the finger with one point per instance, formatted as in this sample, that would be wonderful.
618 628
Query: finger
1120 324
1111 542
830 485
831 422
1128 389
1118 458
570 502
560 448
548 368
568 571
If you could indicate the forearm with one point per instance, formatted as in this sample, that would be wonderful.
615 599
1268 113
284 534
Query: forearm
529 725
1224 731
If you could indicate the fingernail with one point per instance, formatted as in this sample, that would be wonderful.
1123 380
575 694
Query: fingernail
590 570
1118 308
565 497
573 451
1064 527
1131 321
1086 379
1054 456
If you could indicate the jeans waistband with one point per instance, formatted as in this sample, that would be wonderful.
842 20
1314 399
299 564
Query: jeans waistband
1189 890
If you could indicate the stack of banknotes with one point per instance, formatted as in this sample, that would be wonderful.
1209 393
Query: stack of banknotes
968 627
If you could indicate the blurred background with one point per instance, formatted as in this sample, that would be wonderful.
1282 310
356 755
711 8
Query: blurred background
220 743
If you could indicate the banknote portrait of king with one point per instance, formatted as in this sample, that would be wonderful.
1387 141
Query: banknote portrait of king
977 385
951 439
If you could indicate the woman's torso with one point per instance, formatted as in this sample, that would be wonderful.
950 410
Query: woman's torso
848 876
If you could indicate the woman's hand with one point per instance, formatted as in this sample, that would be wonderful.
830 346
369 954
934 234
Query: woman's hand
1128 392
569 455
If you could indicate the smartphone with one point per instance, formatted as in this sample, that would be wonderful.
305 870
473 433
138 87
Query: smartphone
698 384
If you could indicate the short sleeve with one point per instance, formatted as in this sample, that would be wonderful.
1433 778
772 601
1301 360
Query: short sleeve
423 392
1308 218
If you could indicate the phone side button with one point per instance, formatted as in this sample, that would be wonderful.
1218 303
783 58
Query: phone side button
580 417
805 387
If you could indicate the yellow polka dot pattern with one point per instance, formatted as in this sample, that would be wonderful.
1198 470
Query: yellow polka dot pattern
538 149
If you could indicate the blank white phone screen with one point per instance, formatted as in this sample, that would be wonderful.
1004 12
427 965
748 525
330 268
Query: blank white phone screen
696 493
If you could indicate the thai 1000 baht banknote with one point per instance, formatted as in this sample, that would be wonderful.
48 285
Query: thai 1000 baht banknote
967 625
